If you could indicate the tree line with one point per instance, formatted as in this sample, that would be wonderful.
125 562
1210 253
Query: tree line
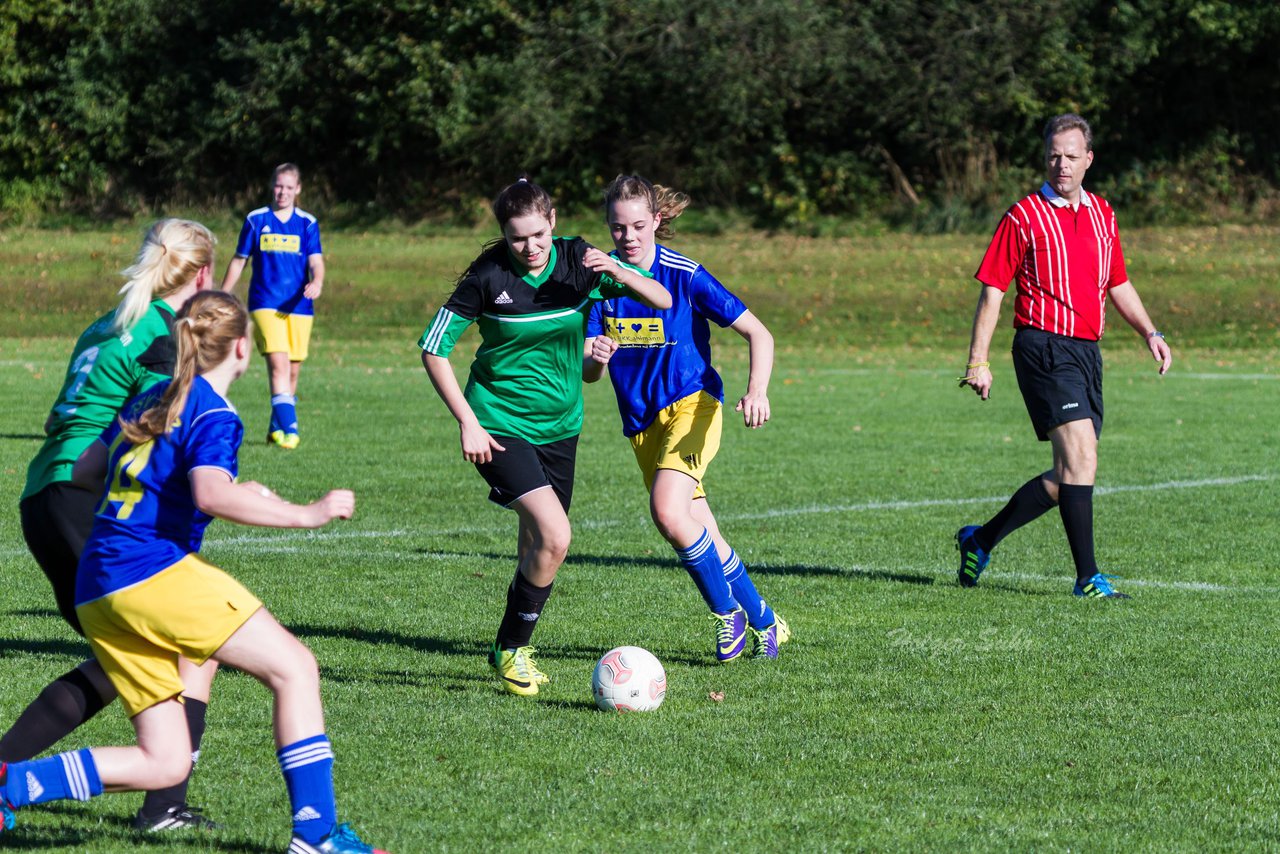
921 110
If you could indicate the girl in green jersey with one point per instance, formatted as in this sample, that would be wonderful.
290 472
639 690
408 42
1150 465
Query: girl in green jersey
521 413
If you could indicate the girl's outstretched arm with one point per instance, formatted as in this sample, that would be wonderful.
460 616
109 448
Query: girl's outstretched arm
218 495
648 291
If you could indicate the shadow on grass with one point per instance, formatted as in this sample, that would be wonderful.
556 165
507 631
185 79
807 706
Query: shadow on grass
45 647
758 570
108 830
670 563
441 646
36 612
38 437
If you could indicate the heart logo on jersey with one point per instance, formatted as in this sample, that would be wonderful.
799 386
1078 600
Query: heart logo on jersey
637 326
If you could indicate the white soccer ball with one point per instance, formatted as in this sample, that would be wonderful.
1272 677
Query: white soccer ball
629 679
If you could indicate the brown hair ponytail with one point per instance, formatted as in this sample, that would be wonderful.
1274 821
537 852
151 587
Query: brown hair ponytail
208 326
521 199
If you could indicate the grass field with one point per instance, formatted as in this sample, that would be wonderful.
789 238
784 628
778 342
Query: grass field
907 714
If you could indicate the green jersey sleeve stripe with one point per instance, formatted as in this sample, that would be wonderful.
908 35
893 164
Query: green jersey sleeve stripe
443 333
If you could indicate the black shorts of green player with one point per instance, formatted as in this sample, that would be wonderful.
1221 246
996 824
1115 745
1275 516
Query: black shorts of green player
524 467
56 522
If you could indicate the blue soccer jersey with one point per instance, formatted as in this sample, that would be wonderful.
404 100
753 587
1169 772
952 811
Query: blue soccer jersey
148 519
279 251
664 355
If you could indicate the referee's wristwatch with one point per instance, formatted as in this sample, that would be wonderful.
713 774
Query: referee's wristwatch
1154 333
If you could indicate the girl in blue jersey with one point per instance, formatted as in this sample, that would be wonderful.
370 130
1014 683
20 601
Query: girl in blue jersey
288 276
521 412
145 597
118 356
670 399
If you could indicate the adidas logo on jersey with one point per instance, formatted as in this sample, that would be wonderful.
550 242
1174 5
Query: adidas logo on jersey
34 789
307 813
503 299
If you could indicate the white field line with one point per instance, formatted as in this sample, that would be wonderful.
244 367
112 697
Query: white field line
934 372
997 574
294 541
347 551
1206 376
819 509
999 499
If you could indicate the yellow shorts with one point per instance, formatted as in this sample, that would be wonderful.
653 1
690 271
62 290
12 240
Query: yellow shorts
684 437
188 609
281 332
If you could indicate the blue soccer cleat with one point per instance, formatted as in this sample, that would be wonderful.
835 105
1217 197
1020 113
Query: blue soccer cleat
767 640
973 558
341 840
1098 587
731 634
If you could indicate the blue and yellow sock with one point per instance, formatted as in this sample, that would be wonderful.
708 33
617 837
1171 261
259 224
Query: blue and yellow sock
284 413
703 565
67 776
759 614
307 766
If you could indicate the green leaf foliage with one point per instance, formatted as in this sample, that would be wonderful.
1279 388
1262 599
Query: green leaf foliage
927 112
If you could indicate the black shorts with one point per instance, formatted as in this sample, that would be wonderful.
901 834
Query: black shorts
524 467
1060 379
56 522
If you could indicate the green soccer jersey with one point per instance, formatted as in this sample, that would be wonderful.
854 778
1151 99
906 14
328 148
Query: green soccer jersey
106 369
526 380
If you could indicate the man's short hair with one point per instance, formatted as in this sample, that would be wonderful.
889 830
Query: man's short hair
297 173
1064 123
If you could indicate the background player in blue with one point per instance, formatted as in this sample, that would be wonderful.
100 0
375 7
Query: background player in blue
119 355
670 400
521 413
288 275
145 597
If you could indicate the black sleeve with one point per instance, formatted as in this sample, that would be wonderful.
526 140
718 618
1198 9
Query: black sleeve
162 354
585 280
468 296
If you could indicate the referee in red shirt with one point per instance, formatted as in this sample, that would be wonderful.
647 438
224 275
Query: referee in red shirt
1060 245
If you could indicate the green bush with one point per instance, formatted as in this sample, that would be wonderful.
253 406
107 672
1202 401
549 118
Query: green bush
920 113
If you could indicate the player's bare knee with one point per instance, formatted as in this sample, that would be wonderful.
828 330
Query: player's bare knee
669 521
168 768
303 669
555 544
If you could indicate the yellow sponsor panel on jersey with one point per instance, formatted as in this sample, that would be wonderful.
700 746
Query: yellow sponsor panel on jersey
280 243
636 331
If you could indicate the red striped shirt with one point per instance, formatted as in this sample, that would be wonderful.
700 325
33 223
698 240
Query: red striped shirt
1063 260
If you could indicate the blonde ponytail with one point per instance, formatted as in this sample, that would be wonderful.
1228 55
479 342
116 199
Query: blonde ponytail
171 255
208 326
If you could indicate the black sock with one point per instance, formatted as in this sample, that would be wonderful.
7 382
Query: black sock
158 801
1075 503
524 606
1029 503
63 705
